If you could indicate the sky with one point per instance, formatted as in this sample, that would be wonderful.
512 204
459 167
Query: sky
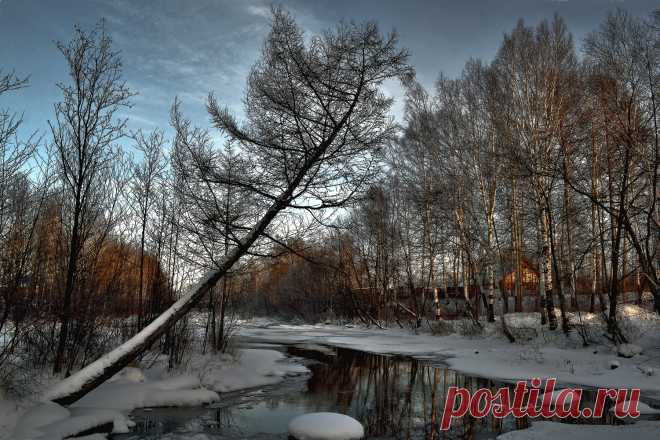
189 48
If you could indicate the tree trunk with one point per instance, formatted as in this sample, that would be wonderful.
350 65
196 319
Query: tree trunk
72 263
82 382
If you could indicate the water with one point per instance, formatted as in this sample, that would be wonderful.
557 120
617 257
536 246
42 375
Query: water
393 397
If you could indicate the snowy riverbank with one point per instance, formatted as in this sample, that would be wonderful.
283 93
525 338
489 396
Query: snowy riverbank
538 353
205 377
487 353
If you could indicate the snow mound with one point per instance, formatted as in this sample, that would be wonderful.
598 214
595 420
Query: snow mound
81 421
38 416
629 350
105 405
553 431
250 368
125 395
325 426
52 421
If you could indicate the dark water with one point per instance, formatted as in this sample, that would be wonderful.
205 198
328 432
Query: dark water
393 397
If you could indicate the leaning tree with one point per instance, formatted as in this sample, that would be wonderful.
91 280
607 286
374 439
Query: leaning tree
314 119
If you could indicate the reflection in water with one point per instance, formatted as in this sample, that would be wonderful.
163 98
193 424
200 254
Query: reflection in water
397 398
394 398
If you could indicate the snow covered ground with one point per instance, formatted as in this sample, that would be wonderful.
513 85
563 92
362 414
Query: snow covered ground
133 388
487 353
547 354
248 368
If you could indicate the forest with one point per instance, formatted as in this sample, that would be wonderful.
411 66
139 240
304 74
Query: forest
526 185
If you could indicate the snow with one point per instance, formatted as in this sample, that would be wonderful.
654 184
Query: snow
9 412
325 426
549 354
642 407
554 431
52 421
125 394
129 374
133 388
74 382
37 417
488 354
318 348
553 398
629 350
109 403
248 368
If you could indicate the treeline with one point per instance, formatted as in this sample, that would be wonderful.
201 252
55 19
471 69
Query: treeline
105 229
540 165
95 235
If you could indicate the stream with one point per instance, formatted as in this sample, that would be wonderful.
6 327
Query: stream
393 397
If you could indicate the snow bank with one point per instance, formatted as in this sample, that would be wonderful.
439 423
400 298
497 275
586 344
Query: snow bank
249 368
629 350
125 394
40 415
128 390
554 431
551 354
642 407
9 412
54 422
325 426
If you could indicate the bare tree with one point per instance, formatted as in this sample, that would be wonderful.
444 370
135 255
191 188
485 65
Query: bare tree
314 118
84 130
146 174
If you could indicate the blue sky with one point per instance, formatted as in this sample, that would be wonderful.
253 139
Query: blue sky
188 48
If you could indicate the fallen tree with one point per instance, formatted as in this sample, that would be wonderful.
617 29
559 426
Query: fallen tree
315 120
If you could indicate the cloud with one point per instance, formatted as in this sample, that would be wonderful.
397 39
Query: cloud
260 10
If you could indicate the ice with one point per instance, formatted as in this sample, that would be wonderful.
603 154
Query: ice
325 426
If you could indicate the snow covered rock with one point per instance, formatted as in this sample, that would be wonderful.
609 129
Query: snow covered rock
613 365
628 350
325 426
